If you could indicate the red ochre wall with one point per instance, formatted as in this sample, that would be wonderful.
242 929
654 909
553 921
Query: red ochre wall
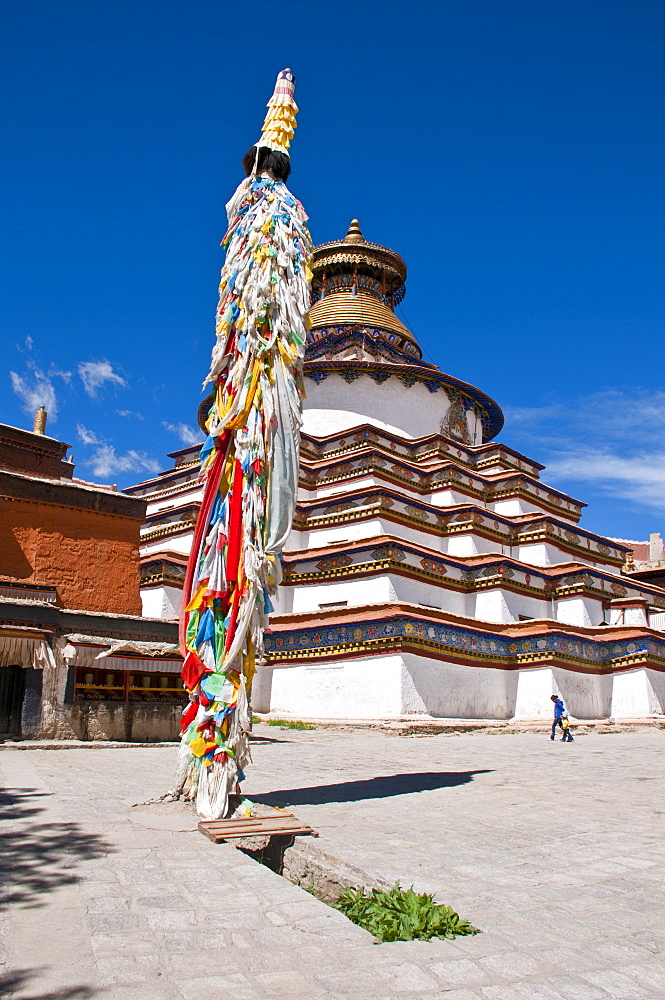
91 558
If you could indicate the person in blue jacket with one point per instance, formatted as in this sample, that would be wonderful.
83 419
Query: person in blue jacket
559 716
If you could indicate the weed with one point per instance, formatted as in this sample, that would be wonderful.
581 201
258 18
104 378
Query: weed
312 888
402 915
290 724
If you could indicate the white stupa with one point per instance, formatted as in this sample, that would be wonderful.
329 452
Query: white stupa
430 572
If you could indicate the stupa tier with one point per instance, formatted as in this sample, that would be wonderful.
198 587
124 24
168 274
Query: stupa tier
430 572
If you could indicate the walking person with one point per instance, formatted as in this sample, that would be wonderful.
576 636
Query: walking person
559 717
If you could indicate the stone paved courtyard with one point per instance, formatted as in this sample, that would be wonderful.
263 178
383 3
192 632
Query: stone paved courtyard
556 851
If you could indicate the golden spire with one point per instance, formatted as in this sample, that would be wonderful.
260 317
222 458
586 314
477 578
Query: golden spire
354 234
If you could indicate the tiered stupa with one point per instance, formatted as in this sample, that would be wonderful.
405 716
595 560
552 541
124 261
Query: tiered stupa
429 572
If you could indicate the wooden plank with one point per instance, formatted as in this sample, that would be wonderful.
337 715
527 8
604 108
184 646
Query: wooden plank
240 831
281 824
253 826
252 821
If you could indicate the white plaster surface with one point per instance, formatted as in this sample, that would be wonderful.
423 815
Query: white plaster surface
628 616
468 545
586 696
534 691
367 688
343 533
180 543
191 493
633 695
161 602
526 606
579 610
412 412
450 690
407 684
491 606
367 590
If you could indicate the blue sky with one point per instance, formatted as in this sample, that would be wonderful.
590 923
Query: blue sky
511 151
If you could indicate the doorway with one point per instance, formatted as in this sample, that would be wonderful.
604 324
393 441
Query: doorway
12 689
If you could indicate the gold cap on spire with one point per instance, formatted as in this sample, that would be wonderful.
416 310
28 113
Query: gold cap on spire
354 235
280 121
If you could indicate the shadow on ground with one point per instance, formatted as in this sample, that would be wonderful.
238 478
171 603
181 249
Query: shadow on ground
381 787
36 858
15 985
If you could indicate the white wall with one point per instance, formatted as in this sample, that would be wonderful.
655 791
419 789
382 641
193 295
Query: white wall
586 696
579 610
188 494
368 590
491 606
336 405
384 687
628 616
161 602
410 685
638 693
455 691
351 689
368 529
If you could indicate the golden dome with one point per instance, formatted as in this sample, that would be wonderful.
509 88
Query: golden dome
344 309
355 249
358 283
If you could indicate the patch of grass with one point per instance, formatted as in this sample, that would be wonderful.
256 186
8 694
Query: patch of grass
255 720
290 724
402 915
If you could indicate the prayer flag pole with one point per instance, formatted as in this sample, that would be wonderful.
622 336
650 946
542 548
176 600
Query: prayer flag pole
249 462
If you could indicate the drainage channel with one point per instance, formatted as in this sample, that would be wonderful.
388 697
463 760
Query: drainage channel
305 864
388 912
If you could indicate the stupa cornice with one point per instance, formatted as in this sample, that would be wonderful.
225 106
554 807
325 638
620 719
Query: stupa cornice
426 613
432 445
388 553
175 480
446 475
174 512
169 530
362 505
374 629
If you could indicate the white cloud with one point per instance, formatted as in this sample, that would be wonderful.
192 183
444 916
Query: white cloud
638 477
35 390
105 462
187 434
86 436
95 375
612 440
532 415
129 413
612 413
29 343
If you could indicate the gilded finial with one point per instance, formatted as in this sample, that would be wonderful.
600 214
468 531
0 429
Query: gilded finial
354 234
39 426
